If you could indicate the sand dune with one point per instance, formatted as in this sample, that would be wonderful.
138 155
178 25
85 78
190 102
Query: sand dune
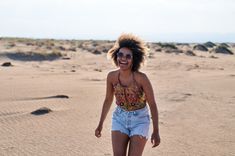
195 96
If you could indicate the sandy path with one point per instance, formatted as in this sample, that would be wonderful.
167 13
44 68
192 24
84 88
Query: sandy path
195 97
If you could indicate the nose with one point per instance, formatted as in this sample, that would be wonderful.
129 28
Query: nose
123 58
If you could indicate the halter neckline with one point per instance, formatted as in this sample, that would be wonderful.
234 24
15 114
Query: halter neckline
133 77
129 97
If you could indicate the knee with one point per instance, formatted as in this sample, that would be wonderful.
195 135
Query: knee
134 153
119 153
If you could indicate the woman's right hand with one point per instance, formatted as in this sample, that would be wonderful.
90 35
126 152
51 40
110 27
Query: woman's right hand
98 131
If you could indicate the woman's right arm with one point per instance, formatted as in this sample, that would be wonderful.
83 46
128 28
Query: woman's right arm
106 105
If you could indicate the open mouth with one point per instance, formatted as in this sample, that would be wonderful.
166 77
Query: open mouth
123 62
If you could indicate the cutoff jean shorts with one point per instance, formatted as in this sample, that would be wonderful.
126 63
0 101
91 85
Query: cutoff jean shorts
131 122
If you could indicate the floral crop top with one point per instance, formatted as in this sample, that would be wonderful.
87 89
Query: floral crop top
129 97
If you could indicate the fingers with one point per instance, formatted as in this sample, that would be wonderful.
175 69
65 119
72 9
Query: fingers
155 142
97 133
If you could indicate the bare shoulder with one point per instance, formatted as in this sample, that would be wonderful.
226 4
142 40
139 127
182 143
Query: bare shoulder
141 77
112 75
144 81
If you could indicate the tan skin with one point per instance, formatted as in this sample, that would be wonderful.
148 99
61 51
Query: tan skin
120 140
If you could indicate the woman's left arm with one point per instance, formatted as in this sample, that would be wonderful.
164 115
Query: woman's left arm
147 87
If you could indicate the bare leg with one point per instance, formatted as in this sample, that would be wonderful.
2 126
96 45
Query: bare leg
120 142
136 146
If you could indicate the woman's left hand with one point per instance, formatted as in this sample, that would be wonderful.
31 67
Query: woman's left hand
155 139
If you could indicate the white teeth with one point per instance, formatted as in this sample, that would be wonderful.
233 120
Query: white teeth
123 63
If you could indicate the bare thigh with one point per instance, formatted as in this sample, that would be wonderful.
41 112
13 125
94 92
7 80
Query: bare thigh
136 146
119 142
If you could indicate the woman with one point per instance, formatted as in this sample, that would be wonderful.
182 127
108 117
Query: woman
132 89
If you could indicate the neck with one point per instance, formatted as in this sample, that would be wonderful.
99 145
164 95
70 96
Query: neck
125 73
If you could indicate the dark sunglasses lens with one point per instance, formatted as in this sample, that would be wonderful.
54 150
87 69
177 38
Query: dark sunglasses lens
128 56
119 54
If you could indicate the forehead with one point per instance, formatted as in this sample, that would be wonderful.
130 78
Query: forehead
125 50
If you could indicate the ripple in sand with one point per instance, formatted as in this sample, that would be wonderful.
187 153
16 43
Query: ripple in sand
9 113
93 79
96 79
178 97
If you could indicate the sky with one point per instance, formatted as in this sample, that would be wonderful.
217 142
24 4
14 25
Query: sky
153 20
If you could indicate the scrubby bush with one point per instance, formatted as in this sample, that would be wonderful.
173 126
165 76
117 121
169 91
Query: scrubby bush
209 44
223 50
200 47
167 45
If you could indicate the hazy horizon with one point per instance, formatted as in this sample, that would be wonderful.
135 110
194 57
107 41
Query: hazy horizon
153 20
154 39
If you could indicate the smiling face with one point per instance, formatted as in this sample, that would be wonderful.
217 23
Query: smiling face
124 58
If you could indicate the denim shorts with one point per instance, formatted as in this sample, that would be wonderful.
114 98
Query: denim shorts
131 122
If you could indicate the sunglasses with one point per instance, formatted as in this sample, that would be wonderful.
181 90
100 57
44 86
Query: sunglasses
121 55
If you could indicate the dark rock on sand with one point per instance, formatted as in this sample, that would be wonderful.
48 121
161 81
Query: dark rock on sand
200 47
6 64
41 111
50 97
60 96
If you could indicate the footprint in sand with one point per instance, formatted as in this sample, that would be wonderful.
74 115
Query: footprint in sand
178 97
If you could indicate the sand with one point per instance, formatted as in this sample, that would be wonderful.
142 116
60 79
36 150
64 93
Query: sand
195 97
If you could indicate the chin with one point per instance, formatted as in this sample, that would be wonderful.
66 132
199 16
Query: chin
124 68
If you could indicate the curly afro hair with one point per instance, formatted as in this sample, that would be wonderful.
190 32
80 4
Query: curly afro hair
135 44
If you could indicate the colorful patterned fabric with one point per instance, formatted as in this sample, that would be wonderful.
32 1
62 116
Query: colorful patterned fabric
129 97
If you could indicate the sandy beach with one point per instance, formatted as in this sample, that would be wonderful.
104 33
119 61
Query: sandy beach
195 97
